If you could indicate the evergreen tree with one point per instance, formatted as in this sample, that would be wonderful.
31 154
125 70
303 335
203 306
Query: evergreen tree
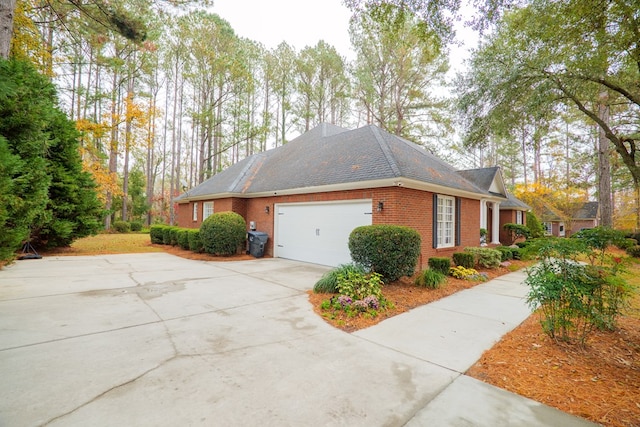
44 194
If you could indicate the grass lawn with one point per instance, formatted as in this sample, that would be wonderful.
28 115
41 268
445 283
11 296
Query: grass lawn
108 244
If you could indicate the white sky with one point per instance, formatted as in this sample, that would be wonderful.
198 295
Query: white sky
303 23
300 23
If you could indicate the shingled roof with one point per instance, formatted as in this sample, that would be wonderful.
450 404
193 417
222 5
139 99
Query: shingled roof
332 156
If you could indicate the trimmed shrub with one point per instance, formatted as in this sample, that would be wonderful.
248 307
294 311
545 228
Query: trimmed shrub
389 250
156 233
464 259
223 233
122 226
195 244
183 238
517 231
136 226
486 257
174 235
328 283
506 253
441 264
517 253
431 279
166 234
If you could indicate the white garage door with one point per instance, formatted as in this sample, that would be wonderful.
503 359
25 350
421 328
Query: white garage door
318 232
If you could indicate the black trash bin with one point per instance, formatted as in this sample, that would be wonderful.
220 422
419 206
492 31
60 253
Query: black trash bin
257 241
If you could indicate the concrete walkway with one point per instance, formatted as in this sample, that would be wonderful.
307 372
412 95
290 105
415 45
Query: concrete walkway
157 340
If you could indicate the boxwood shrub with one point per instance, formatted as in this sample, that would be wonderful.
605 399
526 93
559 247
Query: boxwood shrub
485 257
166 234
195 244
122 226
389 250
156 233
223 233
506 253
183 238
464 259
136 226
441 264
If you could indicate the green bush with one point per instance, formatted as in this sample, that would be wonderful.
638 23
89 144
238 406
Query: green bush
156 233
122 226
359 286
223 233
535 226
195 244
441 264
517 253
389 250
174 235
485 257
506 253
166 234
328 283
626 243
136 226
464 259
634 251
517 231
183 238
431 279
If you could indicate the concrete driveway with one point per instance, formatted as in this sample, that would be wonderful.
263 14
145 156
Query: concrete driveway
153 339
157 340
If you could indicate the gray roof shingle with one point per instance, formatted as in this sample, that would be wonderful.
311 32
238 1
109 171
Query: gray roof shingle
329 155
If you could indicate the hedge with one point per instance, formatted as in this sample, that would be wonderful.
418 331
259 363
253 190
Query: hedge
441 264
156 232
485 257
195 244
389 250
183 238
122 226
464 259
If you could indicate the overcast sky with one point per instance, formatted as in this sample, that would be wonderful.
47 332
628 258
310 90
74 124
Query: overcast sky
298 22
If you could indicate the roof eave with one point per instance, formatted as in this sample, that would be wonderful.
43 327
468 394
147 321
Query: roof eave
358 185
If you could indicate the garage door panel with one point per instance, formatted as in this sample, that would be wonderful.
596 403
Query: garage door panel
319 233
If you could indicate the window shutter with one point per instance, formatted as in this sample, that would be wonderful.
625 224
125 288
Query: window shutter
458 220
435 220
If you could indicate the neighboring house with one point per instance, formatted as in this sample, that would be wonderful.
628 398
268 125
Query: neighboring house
588 216
309 194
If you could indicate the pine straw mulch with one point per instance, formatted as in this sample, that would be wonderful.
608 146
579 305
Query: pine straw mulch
600 382
405 296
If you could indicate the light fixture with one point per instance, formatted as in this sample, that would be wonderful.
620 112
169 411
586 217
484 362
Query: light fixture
380 206
266 209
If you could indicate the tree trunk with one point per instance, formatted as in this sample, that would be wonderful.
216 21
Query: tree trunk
7 8
604 168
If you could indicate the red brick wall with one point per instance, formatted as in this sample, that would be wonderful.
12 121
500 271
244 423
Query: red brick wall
402 206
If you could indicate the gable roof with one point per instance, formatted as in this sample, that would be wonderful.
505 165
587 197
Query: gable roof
332 158
588 211
488 179
514 203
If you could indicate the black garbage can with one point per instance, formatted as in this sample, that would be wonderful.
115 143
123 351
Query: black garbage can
257 241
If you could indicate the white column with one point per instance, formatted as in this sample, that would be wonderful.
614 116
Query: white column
483 220
495 223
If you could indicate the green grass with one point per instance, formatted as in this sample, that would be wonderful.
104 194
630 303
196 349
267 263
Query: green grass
129 243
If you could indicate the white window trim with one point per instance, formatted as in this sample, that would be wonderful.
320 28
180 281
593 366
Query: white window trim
195 211
519 217
446 225
548 228
206 212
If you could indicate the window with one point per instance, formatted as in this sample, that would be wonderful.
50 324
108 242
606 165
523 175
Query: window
519 217
195 211
446 221
561 229
548 228
207 210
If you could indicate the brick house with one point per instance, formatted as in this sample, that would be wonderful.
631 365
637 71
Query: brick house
309 194
587 216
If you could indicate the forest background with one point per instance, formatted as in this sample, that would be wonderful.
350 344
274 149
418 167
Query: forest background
165 94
